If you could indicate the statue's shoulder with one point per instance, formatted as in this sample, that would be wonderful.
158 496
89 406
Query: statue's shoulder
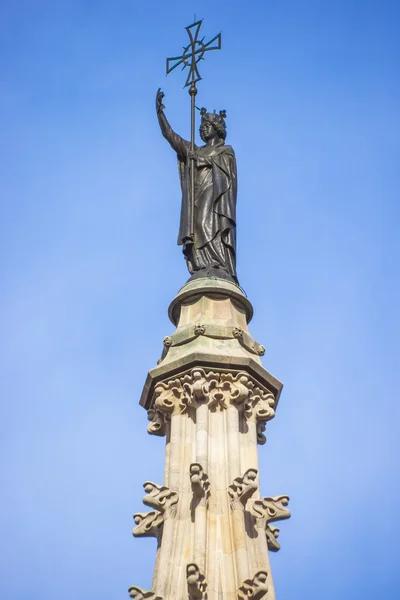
229 150
224 150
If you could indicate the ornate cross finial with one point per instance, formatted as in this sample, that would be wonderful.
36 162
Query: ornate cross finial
193 53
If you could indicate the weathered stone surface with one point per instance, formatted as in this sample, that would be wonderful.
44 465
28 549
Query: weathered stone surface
212 333
210 288
218 389
211 397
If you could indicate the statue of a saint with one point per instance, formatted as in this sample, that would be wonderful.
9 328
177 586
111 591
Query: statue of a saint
208 236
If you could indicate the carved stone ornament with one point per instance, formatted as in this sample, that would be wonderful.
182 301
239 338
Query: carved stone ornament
256 588
171 396
161 498
158 422
267 510
148 524
200 482
261 438
272 534
218 389
139 594
199 330
261 405
196 583
271 508
242 489
214 331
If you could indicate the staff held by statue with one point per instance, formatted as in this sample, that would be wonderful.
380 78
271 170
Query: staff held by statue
207 173
192 55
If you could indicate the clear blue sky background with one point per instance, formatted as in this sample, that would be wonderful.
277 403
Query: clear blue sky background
312 94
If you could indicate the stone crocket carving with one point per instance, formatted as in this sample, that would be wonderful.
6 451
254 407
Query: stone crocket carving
196 583
256 588
138 594
242 489
161 498
261 405
200 482
272 534
218 390
267 510
148 524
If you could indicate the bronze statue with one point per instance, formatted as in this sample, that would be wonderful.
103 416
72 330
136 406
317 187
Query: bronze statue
208 215
208 174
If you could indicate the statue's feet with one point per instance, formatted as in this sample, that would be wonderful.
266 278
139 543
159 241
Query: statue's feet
211 271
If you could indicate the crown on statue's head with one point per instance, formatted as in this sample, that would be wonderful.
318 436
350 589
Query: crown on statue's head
213 117
216 120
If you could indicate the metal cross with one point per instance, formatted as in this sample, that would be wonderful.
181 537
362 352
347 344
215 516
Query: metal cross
193 53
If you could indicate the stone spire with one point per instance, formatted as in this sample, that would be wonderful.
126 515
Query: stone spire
211 398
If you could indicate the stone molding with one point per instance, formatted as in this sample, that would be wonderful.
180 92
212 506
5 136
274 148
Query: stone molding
139 594
220 332
213 288
267 510
148 524
200 483
196 359
242 488
196 583
255 588
217 389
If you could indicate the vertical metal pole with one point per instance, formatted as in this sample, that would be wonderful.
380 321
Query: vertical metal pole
192 92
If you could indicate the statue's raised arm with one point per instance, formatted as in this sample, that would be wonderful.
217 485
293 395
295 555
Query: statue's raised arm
180 145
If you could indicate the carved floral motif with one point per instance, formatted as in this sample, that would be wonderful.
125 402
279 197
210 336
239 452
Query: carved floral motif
196 583
199 329
242 489
256 588
219 390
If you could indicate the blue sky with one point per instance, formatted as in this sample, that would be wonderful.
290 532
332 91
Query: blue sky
312 93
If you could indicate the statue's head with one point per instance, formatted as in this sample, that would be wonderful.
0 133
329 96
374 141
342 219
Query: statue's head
212 124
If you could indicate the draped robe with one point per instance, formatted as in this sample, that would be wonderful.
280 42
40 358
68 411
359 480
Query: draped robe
214 239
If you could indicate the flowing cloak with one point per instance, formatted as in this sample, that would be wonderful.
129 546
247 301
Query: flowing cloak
214 239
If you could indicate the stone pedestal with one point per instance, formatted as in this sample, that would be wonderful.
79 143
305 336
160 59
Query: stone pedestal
211 397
